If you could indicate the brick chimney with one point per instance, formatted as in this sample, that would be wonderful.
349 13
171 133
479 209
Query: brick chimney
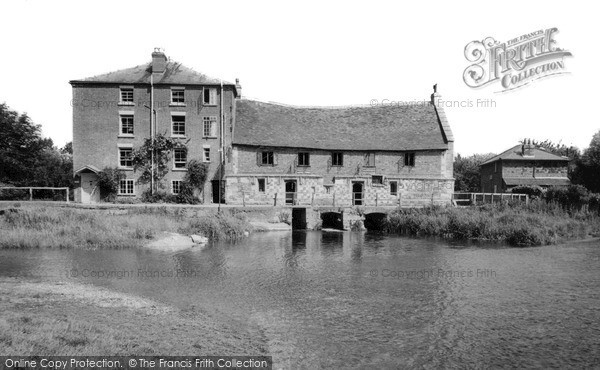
435 96
527 148
159 61
238 87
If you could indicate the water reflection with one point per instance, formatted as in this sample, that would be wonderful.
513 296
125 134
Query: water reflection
328 299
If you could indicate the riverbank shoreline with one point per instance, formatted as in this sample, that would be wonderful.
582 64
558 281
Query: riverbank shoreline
66 318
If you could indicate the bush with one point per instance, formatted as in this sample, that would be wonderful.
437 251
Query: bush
571 197
108 183
532 191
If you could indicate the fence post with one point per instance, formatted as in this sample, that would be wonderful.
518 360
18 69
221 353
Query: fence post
67 192
31 194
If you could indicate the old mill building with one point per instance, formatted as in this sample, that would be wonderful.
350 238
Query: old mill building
259 153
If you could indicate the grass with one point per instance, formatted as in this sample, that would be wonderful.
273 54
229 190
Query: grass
71 319
538 223
43 227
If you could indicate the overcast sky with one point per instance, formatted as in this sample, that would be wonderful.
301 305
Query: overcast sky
311 53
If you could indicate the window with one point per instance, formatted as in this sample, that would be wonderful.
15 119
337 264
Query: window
370 160
409 159
261 185
179 157
210 127
126 157
126 95
210 96
178 96
176 186
206 154
303 159
337 159
126 187
393 187
377 180
126 124
266 158
178 125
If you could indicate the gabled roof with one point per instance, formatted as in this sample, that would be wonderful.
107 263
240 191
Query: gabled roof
515 154
175 74
388 128
88 168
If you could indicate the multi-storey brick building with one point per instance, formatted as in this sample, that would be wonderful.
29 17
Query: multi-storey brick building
342 156
523 165
111 116
271 154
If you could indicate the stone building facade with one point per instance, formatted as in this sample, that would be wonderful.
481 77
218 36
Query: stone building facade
111 117
259 153
523 165
347 156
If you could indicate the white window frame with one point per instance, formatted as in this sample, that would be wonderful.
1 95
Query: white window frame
125 147
123 114
173 182
368 161
212 95
212 121
177 89
127 182
178 114
175 161
126 102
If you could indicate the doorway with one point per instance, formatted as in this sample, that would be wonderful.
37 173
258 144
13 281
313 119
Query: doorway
290 192
215 191
357 193
89 188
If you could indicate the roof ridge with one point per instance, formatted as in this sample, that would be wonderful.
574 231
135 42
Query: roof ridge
252 99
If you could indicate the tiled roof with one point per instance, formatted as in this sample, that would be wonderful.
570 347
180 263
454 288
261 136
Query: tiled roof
540 181
514 154
397 128
175 73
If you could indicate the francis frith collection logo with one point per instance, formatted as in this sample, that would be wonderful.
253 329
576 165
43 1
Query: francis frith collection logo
516 62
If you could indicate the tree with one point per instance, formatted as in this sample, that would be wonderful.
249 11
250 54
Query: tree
467 172
26 158
588 166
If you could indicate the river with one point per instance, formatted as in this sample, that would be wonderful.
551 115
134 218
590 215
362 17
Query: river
354 300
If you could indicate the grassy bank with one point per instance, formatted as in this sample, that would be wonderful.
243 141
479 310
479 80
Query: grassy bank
41 227
538 223
69 319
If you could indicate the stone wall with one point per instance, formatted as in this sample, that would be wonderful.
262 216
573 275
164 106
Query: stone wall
244 189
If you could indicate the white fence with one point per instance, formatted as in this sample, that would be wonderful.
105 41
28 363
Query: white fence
466 199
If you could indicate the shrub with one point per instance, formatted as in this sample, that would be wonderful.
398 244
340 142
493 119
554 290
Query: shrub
108 183
532 191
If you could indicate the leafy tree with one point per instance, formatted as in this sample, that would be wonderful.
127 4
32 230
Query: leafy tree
588 166
467 172
108 183
28 159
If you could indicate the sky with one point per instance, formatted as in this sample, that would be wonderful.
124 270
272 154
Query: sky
322 53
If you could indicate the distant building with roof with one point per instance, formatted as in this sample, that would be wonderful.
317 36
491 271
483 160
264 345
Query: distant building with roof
260 153
524 165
